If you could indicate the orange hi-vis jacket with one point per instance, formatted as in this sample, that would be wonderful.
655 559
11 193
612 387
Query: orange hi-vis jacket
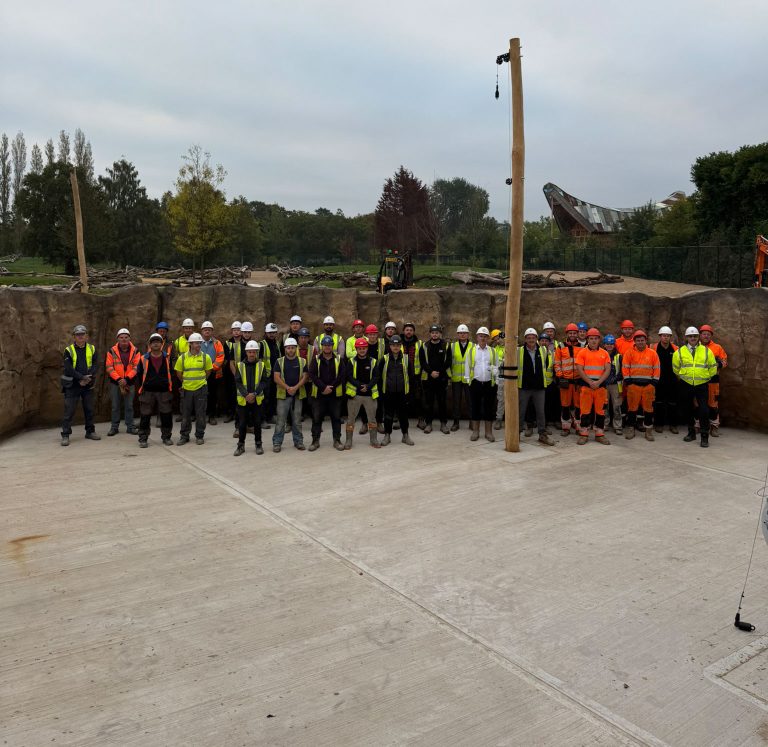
218 361
623 344
114 363
593 362
565 363
642 368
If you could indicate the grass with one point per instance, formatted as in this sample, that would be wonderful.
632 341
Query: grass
32 264
31 280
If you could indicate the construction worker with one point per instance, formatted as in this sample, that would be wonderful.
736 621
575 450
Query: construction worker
411 346
567 378
593 366
180 344
394 381
694 365
162 329
534 374
362 391
305 352
459 388
329 330
390 329
290 376
214 349
270 351
552 395
251 383
665 404
232 350
327 374
193 368
77 379
614 384
713 389
358 329
435 361
625 342
480 370
375 343
497 342
640 371
235 354
550 331
122 359
581 334
155 387
294 325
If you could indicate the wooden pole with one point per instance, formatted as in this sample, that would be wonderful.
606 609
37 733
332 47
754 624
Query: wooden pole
512 416
79 231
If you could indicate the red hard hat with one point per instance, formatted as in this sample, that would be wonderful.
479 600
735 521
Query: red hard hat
705 328
371 329
361 342
627 323
593 332
571 328
356 322
639 333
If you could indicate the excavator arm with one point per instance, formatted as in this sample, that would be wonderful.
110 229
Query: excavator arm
760 279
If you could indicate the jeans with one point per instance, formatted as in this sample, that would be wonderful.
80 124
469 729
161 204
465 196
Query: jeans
72 396
196 400
537 396
126 399
147 402
285 407
322 405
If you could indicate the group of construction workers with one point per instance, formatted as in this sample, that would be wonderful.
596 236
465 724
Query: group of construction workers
386 380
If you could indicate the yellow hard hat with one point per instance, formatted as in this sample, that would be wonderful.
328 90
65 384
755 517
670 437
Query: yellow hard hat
495 333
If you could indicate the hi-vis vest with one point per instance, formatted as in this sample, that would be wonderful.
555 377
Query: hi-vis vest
147 364
258 373
416 357
281 393
336 337
424 375
404 363
338 391
457 360
89 351
265 354
617 370
350 345
181 345
694 369
351 388
235 348
193 370
493 361
546 365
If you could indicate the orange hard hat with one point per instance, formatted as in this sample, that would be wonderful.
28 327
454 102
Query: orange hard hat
361 342
356 322
705 328
639 333
627 323
571 328
593 332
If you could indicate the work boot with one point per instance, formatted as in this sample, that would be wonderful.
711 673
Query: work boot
546 440
630 434
373 435
212 421
259 448
112 431
475 426
421 425
601 439
363 428
428 428
277 448
649 434
167 442
658 428
300 447
548 431
407 440
497 425
350 433
387 440
177 419
528 431
65 440
133 431
240 449
228 418
618 431
489 431
93 436
314 446
714 430
455 425
704 440
199 440
183 440
673 429
582 439
143 443
236 434
337 445
690 437
444 428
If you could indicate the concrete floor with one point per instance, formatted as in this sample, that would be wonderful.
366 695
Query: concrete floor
448 593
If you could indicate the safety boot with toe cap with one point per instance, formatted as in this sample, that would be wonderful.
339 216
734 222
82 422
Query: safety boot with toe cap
455 425
690 437
65 440
314 446
581 440
602 440
259 449
387 440
528 431
93 436
428 428
546 440
407 440
497 425
630 433
239 449
649 434
337 445
444 428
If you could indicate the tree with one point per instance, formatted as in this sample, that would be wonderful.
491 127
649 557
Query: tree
5 181
639 228
83 154
50 154
401 214
36 160
19 159
63 147
246 233
198 213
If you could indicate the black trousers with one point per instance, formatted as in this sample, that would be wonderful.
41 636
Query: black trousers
249 414
72 396
459 392
212 408
322 405
482 400
435 392
665 404
395 405
698 411
270 401
413 401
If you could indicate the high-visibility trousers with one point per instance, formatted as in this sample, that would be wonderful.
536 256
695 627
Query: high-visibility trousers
593 397
637 395
713 392
569 396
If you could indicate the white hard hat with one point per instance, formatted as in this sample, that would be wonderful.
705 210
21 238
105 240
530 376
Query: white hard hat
187 323
548 325
390 324
195 337
123 331
329 320
530 331
290 341
236 325
691 331
155 336
483 331
665 331
271 327
246 327
251 345
295 318
462 328
206 325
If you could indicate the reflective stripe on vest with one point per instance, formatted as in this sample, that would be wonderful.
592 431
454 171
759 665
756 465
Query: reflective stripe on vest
617 368
546 366
339 391
351 389
145 358
694 369
181 344
89 351
565 362
281 393
404 362
257 378
114 362
336 337
193 372
458 360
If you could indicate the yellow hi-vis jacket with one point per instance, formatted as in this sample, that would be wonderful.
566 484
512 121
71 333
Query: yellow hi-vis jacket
694 368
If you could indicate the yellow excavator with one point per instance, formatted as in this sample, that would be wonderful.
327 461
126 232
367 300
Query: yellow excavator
395 273
760 279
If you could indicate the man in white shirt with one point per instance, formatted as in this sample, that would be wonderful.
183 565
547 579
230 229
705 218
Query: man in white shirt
480 369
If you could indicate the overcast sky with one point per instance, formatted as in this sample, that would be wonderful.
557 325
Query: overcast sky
313 104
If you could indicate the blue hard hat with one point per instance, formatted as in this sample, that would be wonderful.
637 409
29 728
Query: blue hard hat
162 325
327 340
583 325
609 339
